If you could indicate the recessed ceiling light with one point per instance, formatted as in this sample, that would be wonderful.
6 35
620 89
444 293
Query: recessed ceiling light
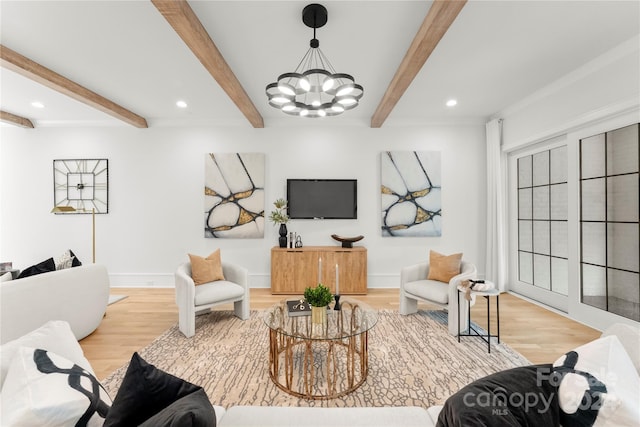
37 104
452 103
181 104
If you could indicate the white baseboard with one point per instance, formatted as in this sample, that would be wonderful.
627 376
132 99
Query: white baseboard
258 281
141 280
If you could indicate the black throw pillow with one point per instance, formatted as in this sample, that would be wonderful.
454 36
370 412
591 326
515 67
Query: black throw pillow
145 391
522 396
43 267
76 262
193 410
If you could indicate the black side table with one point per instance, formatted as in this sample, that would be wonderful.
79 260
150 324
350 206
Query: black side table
486 337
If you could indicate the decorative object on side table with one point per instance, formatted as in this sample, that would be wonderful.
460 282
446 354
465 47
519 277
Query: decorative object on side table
467 286
279 216
347 242
318 298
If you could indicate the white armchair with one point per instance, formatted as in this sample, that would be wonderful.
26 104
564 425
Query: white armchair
193 300
415 287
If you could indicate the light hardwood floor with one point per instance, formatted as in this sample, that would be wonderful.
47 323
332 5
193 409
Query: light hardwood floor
131 324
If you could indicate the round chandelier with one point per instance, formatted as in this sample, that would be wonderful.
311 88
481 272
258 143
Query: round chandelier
314 89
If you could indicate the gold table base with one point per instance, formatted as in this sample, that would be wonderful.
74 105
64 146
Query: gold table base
330 368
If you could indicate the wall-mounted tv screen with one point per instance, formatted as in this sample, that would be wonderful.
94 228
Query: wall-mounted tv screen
322 198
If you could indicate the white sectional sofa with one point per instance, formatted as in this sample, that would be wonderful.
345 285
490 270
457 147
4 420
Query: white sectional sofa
271 416
78 295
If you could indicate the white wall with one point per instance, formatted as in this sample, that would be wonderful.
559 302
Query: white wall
600 96
156 178
607 86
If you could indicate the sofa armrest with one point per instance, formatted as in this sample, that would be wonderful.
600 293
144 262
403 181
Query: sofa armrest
467 271
414 272
434 412
185 287
77 295
236 274
279 416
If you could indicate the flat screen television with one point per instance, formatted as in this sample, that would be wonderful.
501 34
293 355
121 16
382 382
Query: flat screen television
322 198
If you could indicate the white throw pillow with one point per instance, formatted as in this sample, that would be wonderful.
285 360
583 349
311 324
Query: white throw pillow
64 261
629 336
606 360
6 277
46 390
55 336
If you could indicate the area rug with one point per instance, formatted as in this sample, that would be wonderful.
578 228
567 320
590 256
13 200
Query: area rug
412 361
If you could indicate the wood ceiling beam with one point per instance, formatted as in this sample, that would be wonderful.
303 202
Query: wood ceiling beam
15 120
22 65
185 22
438 20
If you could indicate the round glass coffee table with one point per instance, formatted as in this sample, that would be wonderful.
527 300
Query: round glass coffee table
322 361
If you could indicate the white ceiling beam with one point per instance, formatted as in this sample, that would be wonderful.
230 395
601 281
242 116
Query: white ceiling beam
185 22
12 119
438 20
24 66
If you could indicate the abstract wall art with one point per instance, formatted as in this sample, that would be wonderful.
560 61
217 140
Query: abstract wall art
234 195
411 193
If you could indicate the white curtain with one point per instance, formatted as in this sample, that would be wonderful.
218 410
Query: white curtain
496 267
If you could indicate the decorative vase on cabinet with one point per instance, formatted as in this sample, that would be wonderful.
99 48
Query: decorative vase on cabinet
282 240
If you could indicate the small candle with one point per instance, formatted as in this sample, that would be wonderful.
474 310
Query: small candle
319 270
337 285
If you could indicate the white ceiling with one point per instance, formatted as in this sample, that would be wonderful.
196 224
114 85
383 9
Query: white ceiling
495 54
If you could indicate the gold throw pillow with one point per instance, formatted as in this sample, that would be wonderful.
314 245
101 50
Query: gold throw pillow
443 267
205 270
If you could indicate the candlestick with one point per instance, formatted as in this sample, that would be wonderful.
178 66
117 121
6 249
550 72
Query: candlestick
337 285
319 270
337 304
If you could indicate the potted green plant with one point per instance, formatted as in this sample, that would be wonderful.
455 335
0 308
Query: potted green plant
318 298
279 216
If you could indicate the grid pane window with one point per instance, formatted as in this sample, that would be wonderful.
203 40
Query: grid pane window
609 191
542 220
593 193
525 267
559 245
559 202
558 165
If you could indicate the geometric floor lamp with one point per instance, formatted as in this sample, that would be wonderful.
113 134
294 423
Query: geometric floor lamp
71 209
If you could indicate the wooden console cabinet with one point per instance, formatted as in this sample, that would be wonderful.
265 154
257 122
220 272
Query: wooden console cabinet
294 269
